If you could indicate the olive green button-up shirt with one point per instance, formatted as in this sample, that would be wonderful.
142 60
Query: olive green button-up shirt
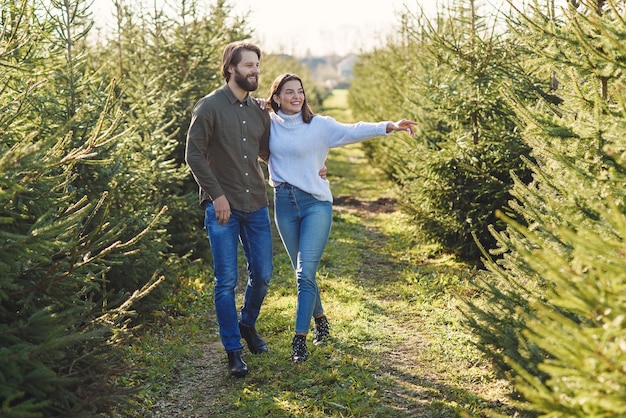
223 142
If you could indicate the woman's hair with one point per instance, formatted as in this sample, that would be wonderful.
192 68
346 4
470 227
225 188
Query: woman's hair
277 87
232 55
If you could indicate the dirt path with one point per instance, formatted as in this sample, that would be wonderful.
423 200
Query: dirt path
198 384
415 388
415 384
203 380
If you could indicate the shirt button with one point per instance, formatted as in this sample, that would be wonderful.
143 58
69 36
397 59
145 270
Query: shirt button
244 139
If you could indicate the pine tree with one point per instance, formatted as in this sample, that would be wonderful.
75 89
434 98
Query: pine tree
192 52
61 330
448 74
168 56
559 289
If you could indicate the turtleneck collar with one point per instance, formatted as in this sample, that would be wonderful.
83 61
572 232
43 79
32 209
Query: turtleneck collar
295 119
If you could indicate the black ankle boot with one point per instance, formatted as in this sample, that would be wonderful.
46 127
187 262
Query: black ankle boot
298 349
256 345
322 330
236 365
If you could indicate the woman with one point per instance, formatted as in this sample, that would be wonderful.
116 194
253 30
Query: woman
299 144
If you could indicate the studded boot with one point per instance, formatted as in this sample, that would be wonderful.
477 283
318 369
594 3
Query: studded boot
322 330
298 349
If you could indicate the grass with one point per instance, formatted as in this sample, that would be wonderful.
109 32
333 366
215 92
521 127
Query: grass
398 347
336 105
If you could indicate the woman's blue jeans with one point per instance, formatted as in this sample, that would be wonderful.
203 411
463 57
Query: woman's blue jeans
304 224
253 230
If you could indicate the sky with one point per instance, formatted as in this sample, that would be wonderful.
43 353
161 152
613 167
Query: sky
315 27
320 27
324 27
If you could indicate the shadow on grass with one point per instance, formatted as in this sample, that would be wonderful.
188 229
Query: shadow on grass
380 361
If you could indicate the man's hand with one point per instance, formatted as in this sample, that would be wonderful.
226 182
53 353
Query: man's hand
323 172
222 209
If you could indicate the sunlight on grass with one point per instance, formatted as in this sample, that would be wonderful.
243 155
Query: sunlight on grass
336 105
397 346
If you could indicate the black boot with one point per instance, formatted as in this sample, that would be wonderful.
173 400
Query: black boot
298 349
322 330
236 365
256 345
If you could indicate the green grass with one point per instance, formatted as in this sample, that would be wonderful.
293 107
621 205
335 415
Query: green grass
398 346
336 105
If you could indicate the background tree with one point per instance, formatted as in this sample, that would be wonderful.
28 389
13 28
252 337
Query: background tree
447 74
60 328
127 169
559 286
169 56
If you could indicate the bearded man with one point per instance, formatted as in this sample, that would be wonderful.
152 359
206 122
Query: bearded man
228 134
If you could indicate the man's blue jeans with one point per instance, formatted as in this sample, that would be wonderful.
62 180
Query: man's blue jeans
253 230
304 224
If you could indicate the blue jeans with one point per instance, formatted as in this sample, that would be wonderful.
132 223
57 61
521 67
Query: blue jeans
304 224
253 230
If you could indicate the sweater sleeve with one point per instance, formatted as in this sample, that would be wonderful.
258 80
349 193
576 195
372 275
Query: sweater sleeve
338 134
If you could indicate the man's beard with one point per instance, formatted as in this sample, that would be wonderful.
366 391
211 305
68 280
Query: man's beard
244 83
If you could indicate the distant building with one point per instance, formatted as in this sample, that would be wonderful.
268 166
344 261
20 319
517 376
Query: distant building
344 67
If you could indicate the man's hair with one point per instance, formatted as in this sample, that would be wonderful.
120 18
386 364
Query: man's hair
232 55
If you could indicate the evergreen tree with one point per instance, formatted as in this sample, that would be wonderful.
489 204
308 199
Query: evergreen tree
454 174
124 169
61 329
168 57
192 51
556 317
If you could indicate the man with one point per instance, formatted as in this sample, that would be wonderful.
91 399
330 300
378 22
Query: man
228 132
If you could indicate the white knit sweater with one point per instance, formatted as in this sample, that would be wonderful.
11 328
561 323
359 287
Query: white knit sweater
298 150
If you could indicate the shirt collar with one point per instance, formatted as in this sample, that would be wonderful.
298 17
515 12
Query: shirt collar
248 100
